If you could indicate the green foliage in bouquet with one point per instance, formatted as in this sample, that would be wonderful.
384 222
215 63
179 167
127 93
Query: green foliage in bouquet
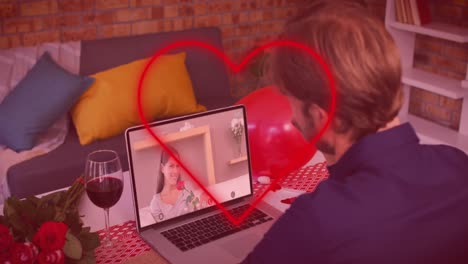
25 217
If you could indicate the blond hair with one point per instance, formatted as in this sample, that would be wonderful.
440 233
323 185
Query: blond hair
361 55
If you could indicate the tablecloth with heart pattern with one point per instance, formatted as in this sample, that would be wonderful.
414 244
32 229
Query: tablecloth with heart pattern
127 243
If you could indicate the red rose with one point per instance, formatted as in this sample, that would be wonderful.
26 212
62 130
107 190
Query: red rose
180 185
80 180
51 236
6 240
54 257
24 253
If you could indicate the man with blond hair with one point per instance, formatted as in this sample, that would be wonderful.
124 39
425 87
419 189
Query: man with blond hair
388 199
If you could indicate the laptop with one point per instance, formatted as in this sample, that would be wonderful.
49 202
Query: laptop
173 214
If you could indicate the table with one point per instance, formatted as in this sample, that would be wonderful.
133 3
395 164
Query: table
131 249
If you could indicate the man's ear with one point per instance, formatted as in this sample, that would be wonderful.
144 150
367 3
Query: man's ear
319 114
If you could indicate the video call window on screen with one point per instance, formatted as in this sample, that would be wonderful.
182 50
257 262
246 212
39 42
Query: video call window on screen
212 147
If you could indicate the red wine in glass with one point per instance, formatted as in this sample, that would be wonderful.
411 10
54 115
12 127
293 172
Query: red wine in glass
104 192
104 183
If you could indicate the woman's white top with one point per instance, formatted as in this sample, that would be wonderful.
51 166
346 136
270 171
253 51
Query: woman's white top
162 211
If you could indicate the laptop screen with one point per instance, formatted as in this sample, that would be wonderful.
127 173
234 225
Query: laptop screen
212 146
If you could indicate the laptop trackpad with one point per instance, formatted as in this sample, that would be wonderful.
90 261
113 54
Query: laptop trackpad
242 245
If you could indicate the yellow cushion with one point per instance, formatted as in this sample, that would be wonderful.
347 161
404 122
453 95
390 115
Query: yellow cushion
109 106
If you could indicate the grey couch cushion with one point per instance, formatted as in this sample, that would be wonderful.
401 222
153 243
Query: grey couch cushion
62 166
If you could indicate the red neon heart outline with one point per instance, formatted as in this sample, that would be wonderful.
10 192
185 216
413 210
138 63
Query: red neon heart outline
235 68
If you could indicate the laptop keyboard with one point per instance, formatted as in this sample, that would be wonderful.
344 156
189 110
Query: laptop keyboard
211 228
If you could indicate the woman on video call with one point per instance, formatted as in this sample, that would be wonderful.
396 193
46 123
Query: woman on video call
172 198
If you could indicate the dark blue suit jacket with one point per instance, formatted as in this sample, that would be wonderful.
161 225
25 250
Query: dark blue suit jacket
387 200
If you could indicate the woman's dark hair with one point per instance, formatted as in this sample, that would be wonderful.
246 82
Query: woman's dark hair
164 159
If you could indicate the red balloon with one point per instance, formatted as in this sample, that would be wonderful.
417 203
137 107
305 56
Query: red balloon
276 145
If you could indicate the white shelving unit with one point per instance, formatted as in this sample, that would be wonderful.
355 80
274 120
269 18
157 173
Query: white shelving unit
404 35
433 82
437 30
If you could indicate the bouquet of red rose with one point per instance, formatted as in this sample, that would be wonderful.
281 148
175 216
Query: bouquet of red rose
46 230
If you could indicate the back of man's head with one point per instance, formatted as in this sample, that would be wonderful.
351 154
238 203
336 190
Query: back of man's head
361 55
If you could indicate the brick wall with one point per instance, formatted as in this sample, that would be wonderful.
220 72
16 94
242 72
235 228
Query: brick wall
244 24
31 22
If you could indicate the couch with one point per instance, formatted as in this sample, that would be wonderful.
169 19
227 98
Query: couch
60 167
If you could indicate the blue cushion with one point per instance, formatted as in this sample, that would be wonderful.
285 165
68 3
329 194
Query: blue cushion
45 94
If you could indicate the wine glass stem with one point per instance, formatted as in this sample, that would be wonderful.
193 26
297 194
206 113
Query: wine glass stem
107 239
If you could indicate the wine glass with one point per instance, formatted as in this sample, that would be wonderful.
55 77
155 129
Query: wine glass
104 183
